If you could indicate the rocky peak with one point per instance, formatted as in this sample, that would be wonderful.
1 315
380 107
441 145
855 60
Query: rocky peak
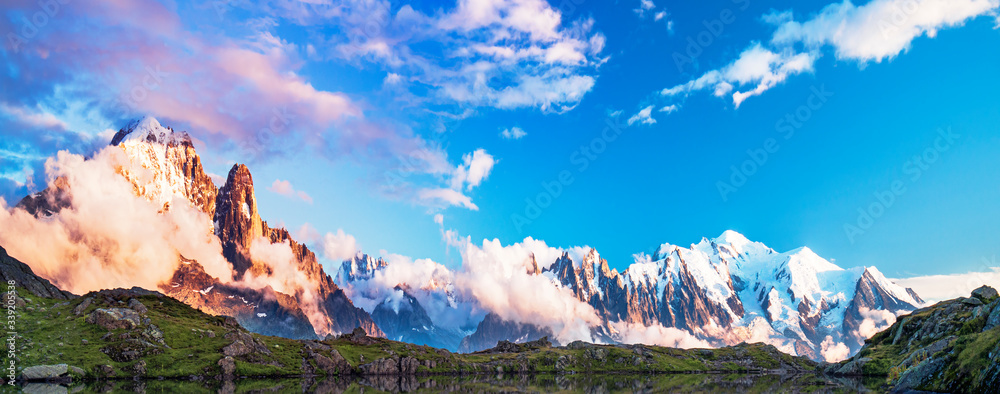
170 158
361 267
236 217
149 130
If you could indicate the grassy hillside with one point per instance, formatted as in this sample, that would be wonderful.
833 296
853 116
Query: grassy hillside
127 333
952 346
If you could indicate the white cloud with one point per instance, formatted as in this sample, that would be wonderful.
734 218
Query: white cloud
645 7
109 237
660 15
877 30
875 321
475 167
335 247
513 133
657 334
448 196
834 351
644 116
33 118
339 246
669 109
757 69
392 79
497 277
945 287
503 54
285 188
439 219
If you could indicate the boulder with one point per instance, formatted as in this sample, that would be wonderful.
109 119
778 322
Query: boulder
985 293
333 365
972 301
853 367
919 374
382 366
45 372
243 344
994 319
228 365
137 306
104 371
408 365
139 368
115 318
82 306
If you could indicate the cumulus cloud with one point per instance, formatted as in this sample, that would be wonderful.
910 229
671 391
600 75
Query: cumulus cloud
496 276
945 287
880 29
338 246
513 133
277 267
109 237
833 351
285 188
475 168
875 31
657 334
875 320
503 54
643 117
645 7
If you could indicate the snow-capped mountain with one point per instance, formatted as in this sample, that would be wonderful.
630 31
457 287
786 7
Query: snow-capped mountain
164 168
724 290
401 310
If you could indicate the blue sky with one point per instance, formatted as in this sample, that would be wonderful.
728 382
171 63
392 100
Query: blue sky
396 134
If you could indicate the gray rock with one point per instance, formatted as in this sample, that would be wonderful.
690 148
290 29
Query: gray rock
972 301
13 270
994 319
104 371
137 306
77 371
45 372
82 307
228 366
985 293
919 374
115 318
853 367
44 388
382 366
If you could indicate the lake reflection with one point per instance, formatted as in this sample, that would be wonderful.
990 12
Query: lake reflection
696 383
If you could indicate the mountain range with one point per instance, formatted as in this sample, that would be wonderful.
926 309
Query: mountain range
720 291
